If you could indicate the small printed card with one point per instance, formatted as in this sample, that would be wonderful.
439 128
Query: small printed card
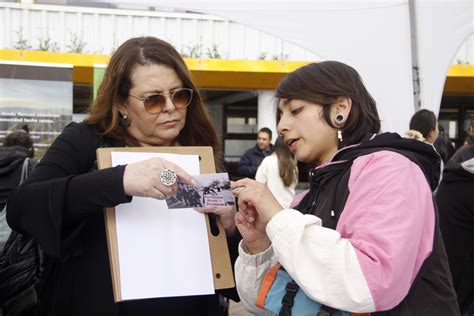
211 190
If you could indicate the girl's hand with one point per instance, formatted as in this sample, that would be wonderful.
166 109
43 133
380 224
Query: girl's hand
255 239
225 213
143 178
256 197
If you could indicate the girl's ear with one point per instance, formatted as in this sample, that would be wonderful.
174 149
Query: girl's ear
340 110
433 135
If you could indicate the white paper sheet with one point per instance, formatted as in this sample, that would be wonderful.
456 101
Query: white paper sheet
162 252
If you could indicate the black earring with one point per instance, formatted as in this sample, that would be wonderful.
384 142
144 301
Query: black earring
125 121
339 118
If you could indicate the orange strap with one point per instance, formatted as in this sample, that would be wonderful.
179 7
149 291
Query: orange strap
266 285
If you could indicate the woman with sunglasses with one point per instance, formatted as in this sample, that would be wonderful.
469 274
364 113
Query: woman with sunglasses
146 98
365 238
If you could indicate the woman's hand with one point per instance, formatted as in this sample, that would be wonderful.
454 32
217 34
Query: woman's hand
143 178
256 197
225 213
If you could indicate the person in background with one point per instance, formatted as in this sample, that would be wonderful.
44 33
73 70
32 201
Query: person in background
279 172
365 238
455 201
17 146
25 128
462 154
425 123
469 140
412 134
443 145
424 127
146 98
252 158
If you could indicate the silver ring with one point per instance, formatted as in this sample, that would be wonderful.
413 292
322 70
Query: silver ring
168 177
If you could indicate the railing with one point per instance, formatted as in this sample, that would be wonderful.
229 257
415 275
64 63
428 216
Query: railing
101 31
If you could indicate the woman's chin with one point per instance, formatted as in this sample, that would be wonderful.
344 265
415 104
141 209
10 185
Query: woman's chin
159 141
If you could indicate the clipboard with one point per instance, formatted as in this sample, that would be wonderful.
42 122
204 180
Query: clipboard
220 258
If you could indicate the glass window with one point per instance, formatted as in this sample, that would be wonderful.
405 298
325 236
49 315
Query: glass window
455 114
236 147
241 125
467 119
448 118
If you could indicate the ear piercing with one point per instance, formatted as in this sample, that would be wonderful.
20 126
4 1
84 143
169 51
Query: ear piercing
339 119
125 121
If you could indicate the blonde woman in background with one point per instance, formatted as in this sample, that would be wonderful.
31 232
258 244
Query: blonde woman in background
279 172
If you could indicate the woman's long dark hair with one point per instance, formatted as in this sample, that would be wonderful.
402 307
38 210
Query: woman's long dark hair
286 164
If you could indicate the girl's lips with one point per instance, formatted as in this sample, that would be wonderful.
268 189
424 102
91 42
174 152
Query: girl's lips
293 145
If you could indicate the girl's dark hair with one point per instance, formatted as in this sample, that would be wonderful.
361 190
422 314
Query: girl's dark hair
286 164
443 145
323 83
423 121
116 84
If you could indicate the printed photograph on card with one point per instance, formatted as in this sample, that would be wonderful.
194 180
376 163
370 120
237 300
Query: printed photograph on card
212 190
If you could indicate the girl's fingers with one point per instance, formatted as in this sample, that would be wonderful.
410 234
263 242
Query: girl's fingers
248 215
241 183
240 220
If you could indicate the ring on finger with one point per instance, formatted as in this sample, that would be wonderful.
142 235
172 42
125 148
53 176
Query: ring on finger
168 177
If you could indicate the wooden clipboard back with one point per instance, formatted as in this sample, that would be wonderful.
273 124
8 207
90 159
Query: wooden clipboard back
220 258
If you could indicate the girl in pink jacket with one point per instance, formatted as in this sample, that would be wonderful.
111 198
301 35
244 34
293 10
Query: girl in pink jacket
365 238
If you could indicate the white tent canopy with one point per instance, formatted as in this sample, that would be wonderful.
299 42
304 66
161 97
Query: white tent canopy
373 36
441 29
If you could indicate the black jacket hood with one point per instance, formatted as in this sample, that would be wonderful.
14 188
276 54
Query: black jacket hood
11 157
459 172
421 153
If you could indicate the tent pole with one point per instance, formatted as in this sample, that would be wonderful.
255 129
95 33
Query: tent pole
414 56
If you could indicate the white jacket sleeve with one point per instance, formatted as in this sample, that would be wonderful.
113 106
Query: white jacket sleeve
324 265
249 273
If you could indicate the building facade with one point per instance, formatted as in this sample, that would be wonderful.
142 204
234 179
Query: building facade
215 50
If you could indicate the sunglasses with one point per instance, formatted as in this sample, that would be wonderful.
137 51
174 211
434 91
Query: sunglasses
155 103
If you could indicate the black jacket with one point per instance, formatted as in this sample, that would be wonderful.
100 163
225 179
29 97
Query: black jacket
455 198
463 154
251 159
432 291
68 221
11 162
